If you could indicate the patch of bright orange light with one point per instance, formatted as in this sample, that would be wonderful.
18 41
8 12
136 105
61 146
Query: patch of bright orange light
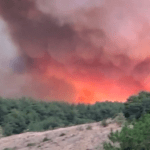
90 91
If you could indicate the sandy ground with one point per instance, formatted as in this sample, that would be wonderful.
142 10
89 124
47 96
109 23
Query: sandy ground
79 137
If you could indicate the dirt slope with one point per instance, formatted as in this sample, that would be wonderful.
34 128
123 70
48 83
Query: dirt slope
81 137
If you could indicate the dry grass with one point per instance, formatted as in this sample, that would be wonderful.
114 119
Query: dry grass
81 137
80 128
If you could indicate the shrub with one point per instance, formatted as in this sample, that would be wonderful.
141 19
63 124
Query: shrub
14 123
10 148
62 134
1 132
89 127
131 138
104 123
45 139
31 144
120 119
136 106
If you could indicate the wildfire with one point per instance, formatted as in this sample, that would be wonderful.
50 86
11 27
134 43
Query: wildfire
79 52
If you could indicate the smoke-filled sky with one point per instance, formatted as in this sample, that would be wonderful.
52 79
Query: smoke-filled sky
74 50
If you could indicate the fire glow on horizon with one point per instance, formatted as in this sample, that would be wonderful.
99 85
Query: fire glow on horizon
79 51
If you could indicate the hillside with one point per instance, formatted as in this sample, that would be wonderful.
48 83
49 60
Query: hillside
26 124
80 137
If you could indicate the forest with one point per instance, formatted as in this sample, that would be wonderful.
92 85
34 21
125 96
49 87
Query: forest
26 114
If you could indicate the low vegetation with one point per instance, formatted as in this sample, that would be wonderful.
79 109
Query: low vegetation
120 119
10 148
136 138
31 144
135 133
104 123
62 134
46 139
89 127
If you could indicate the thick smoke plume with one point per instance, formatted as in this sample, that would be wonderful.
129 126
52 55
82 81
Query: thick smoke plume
75 51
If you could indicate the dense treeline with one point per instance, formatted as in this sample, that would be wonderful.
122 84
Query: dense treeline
26 114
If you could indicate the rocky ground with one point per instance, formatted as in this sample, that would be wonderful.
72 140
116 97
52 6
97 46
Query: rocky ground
81 137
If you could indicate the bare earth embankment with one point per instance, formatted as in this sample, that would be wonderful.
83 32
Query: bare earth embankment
81 137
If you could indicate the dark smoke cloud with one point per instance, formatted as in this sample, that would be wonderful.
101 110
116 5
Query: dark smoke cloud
57 43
